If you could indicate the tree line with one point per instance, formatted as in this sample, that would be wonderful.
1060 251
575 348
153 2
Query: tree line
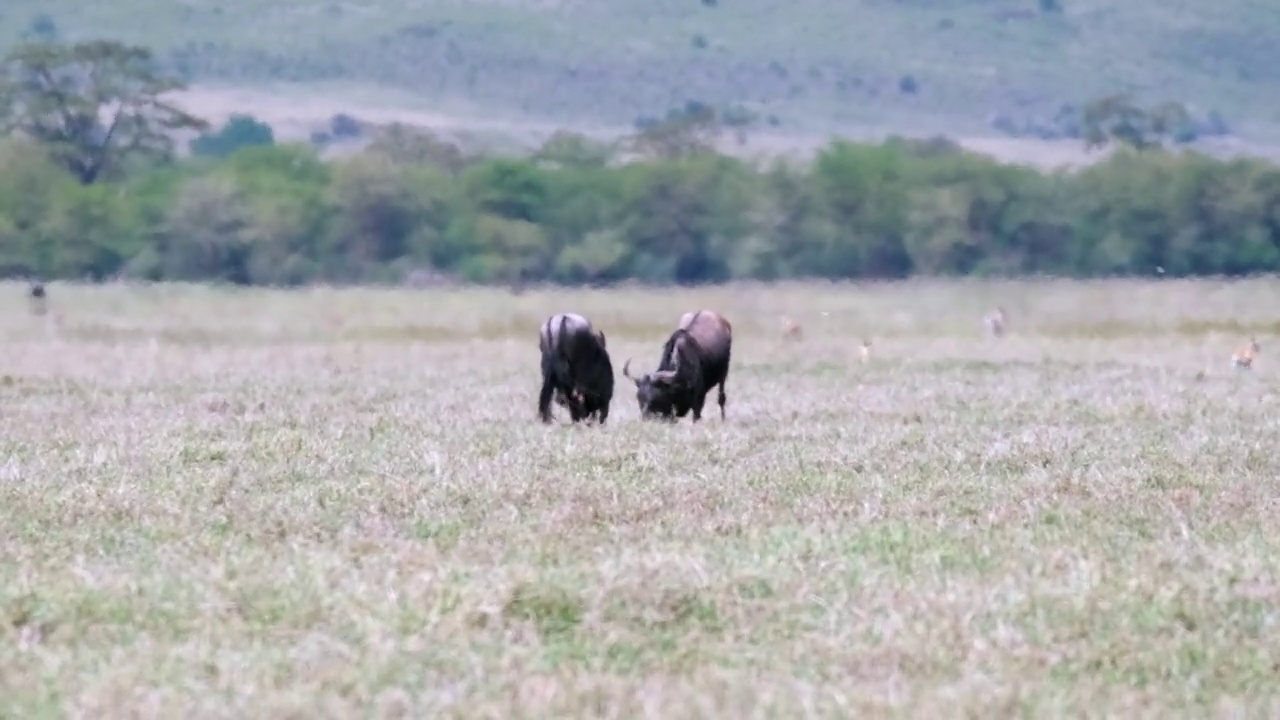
90 186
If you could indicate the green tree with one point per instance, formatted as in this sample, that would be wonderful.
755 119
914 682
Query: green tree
92 227
580 219
376 210
508 187
681 216
864 188
795 230
691 130
92 104
1119 119
239 131
28 185
506 250
285 208
407 145
573 150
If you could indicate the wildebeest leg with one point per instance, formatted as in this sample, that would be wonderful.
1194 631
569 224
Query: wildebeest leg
697 407
602 414
544 399
721 398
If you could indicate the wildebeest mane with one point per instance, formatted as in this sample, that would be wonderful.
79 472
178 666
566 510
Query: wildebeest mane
560 350
683 354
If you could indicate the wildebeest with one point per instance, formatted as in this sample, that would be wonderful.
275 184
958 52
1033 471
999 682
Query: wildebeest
575 368
694 359
36 294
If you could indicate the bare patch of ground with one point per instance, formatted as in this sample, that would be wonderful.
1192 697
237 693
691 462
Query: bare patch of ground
295 112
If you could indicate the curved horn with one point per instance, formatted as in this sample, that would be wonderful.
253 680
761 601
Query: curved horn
626 370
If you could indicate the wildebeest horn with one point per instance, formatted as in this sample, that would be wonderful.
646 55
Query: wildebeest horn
664 375
626 370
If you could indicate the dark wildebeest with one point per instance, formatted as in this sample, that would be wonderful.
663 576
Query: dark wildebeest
36 294
694 360
575 368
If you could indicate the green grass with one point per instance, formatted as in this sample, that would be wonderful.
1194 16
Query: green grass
818 65
264 503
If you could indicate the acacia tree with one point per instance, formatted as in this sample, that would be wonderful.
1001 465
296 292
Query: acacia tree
684 132
90 104
1116 118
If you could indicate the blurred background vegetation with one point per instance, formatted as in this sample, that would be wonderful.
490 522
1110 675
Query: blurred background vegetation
1017 67
103 176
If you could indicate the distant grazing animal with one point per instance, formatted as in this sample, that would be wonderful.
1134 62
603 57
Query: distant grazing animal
864 352
575 369
1243 358
996 322
791 328
39 301
694 359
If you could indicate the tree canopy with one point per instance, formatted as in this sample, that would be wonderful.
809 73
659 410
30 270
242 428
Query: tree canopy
91 104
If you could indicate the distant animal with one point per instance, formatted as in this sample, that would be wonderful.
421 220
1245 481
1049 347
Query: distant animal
996 322
791 329
1243 357
695 359
575 369
864 352
36 295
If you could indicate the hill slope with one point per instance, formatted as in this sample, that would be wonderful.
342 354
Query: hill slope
810 65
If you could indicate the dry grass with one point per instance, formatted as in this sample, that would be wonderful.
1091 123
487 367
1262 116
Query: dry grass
339 503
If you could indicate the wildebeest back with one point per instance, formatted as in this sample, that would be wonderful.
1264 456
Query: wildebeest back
714 336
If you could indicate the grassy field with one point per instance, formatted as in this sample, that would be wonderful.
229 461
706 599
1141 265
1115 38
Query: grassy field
814 65
293 504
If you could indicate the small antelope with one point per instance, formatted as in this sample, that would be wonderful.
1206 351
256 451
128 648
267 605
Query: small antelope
1243 358
791 328
39 301
995 321
864 352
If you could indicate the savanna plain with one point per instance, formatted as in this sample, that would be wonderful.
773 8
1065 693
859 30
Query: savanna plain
339 502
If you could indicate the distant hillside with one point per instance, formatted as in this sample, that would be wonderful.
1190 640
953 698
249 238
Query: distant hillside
810 66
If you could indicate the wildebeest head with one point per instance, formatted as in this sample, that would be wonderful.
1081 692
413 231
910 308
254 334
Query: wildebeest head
655 392
668 391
